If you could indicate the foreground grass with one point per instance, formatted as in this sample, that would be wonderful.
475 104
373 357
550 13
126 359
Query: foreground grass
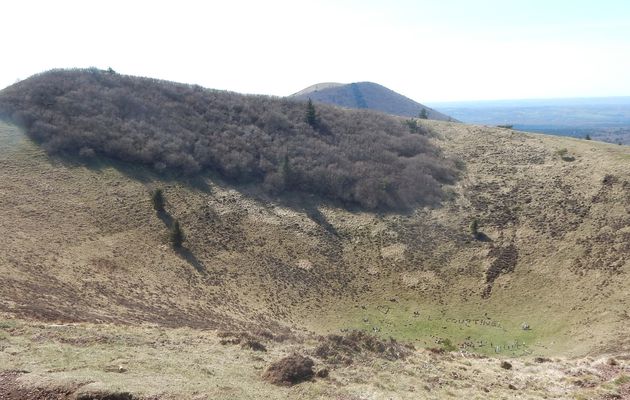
150 361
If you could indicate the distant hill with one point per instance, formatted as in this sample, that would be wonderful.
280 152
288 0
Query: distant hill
370 96
317 87
604 118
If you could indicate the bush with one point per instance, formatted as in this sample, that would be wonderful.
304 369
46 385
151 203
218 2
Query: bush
364 158
564 155
413 126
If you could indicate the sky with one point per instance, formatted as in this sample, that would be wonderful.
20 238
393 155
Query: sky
430 51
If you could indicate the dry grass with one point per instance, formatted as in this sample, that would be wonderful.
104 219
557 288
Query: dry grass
184 363
89 244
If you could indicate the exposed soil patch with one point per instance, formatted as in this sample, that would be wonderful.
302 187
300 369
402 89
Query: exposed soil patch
290 370
12 389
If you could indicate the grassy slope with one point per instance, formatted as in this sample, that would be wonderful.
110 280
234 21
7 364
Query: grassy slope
569 283
87 241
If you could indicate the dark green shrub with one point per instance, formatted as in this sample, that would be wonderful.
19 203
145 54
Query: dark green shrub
412 124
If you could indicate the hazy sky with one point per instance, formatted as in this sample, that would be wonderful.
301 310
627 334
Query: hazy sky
427 50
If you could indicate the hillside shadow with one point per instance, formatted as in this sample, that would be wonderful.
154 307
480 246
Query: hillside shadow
306 203
138 172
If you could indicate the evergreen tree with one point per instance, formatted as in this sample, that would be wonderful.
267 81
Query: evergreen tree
311 115
412 125
424 114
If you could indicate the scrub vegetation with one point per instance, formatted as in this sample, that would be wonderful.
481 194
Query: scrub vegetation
355 157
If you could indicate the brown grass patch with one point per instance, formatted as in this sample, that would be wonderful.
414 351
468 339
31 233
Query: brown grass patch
341 349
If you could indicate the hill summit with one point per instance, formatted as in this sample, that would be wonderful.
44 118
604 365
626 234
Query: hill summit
368 95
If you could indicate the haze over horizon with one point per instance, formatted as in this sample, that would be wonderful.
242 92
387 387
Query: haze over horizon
452 51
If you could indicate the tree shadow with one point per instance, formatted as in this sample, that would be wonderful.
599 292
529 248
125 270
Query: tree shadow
320 219
482 237
166 218
182 251
188 255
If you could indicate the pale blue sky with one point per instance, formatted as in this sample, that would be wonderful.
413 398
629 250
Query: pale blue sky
446 50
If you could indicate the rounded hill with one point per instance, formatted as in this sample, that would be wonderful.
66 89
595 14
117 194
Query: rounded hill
371 96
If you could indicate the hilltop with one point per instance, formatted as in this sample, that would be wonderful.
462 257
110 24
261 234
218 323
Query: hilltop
94 298
368 95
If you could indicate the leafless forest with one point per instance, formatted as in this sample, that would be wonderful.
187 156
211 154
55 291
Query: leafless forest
356 157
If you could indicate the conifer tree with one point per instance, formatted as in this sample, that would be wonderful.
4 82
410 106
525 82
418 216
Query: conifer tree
311 115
